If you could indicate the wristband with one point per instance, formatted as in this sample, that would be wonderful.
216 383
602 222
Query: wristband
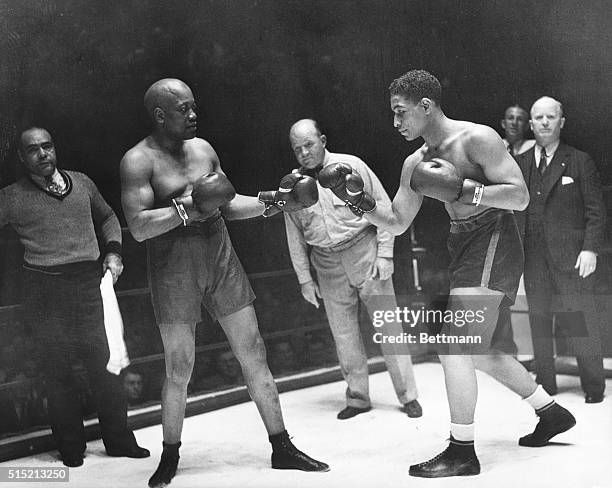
478 192
180 209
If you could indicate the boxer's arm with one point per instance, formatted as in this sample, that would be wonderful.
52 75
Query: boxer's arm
242 207
506 188
374 187
138 198
397 216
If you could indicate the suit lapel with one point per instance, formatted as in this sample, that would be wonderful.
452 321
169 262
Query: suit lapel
526 163
555 169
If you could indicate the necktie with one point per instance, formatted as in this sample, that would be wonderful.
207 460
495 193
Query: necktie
510 149
542 165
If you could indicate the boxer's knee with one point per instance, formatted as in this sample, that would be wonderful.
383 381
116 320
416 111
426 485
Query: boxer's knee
179 365
254 352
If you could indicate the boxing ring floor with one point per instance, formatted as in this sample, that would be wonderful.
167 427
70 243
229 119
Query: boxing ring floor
228 448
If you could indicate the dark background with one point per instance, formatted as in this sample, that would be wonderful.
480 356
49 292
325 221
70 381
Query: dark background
81 68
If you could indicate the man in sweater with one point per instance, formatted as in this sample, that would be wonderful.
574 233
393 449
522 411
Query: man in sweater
57 214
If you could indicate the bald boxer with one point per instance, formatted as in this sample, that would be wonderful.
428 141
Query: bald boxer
466 166
353 261
173 188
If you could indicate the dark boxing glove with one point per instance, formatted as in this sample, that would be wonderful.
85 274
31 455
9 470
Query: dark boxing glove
211 191
348 187
295 192
439 179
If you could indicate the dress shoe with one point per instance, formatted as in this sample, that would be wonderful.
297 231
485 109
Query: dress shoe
134 451
73 460
553 420
455 460
350 412
413 409
593 398
286 456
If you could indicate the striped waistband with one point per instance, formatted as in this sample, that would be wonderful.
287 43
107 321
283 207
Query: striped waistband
476 221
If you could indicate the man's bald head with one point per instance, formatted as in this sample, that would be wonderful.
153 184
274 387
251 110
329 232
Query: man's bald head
547 102
160 93
547 120
308 143
302 126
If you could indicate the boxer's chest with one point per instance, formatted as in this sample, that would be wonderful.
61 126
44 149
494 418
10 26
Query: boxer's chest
454 152
175 178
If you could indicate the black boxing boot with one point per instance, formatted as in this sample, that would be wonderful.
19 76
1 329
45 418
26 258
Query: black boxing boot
554 419
458 459
286 456
167 466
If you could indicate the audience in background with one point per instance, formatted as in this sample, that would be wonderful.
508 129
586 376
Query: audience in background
515 124
133 384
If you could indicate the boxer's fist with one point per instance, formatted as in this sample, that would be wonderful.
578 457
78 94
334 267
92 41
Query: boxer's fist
333 176
211 191
295 192
347 186
437 179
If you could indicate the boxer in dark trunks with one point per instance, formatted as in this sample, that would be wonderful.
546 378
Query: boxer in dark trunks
191 261
466 166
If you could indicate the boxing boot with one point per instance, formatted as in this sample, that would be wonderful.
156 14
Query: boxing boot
286 456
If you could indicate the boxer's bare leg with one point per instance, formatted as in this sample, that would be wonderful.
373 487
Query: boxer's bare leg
461 387
508 371
179 352
243 334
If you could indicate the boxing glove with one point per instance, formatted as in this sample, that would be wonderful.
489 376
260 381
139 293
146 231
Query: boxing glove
211 191
439 179
348 187
295 192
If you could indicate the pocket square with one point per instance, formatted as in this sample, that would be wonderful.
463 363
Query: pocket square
566 180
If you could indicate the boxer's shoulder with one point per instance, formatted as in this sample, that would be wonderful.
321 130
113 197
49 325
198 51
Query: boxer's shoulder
200 148
476 134
410 163
136 162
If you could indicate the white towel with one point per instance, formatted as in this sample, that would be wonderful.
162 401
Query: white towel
113 323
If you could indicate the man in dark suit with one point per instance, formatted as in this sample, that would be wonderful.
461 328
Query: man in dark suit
563 232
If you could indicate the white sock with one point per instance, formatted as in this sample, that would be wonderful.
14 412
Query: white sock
539 399
462 432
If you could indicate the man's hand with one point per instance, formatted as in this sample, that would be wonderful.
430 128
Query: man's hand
586 263
310 292
383 269
114 263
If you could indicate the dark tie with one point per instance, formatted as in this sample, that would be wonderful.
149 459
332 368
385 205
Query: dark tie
542 165
510 149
